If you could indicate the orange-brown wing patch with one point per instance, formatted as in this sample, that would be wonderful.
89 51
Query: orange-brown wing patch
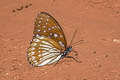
46 25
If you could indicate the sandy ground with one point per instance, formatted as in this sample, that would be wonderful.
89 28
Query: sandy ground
98 24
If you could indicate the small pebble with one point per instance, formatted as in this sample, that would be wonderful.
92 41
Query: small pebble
30 4
13 10
94 52
26 6
116 40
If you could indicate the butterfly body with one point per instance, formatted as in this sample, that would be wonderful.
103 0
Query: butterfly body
49 44
67 51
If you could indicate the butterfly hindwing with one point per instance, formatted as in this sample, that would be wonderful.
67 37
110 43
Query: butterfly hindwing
43 51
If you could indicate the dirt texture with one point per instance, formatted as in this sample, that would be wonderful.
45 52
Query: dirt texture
97 22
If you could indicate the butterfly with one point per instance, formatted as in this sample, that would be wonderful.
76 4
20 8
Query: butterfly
49 43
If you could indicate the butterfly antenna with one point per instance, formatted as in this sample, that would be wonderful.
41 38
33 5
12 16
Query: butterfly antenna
73 36
77 43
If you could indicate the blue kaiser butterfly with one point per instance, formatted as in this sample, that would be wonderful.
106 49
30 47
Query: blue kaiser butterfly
49 43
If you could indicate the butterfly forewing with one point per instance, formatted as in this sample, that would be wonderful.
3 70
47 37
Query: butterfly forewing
46 25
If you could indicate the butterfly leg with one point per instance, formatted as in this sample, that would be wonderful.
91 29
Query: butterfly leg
72 58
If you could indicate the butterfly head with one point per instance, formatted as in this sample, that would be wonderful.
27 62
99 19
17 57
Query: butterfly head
68 50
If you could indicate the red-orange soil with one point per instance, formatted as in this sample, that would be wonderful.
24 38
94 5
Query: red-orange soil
97 22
